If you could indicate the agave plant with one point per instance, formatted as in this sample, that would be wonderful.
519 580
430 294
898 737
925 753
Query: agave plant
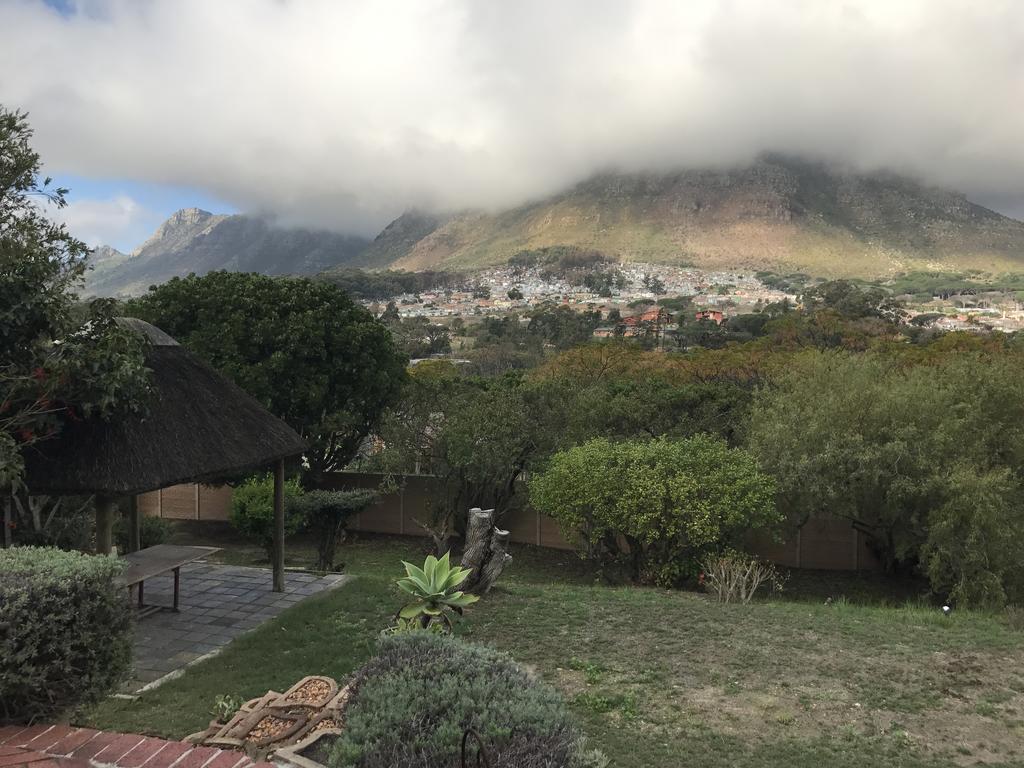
434 587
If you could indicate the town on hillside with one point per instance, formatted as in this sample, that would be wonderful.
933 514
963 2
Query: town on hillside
635 290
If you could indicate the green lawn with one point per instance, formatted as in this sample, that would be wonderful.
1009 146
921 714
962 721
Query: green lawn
660 678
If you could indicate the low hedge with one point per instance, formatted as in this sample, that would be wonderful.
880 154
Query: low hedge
414 700
65 631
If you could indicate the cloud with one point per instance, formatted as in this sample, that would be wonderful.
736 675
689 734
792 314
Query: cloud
118 221
343 113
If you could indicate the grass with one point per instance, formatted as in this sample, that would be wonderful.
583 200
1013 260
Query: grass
662 678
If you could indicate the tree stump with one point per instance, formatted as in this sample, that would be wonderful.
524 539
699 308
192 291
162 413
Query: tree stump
486 551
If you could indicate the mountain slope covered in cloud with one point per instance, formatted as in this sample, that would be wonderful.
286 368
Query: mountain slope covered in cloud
778 213
341 115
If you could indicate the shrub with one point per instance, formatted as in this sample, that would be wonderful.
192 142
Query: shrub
737 576
1015 617
225 706
252 510
413 702
65 522
152 531
326 513
65 631
657 506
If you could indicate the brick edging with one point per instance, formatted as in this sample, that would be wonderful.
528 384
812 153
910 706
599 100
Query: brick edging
66 746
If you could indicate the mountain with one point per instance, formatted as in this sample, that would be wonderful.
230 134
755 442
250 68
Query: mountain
779 213
193 240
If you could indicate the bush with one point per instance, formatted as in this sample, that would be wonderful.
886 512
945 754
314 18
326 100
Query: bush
326 513
65 522
252 511
65 631
1015 617
737 576
657 506
152 531
413 702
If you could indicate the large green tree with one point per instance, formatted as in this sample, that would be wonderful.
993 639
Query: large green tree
59 359
476 436
302 347
926 460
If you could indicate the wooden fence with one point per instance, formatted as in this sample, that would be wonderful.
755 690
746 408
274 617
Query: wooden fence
825 543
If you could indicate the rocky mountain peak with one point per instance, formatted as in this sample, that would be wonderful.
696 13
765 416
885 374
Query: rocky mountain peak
189 216
181 226
194 240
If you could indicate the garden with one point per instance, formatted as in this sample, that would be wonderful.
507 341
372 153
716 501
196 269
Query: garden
661 640
838 669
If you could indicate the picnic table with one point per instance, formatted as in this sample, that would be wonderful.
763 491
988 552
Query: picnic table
154 561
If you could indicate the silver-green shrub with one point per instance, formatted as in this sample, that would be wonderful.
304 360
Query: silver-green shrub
413 702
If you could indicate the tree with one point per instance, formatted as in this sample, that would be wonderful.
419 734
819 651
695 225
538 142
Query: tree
632 402
670 502
326 514
418 337
313 357
654 284
58 361
390 314
476 436
852 301
926 461
692 332
562 326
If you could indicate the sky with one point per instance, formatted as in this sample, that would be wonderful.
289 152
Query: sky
344 113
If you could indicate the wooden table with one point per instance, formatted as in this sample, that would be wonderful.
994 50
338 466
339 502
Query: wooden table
154 561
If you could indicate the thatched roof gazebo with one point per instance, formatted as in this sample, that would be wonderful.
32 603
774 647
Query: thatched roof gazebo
198 427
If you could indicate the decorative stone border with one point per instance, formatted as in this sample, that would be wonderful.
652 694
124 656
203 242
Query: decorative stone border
282 724
294 754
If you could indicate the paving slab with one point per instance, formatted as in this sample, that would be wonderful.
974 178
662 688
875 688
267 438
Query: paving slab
218 603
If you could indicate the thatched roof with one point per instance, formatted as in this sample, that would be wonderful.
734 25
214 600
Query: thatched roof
198 427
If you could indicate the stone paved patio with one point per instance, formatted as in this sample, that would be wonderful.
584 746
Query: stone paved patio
218 603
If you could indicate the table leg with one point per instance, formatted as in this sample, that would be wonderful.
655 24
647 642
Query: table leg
141 603
177 574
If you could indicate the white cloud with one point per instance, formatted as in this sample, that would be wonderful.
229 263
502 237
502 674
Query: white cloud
345 112
119 220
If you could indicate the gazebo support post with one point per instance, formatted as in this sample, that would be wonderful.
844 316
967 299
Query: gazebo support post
134 525
106 507
5 524
279 526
